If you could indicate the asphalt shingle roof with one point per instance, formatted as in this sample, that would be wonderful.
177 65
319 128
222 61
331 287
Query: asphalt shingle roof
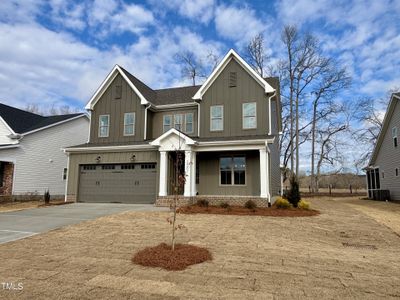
22 121
176 95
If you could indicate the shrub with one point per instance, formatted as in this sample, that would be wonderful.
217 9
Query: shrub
250 204
303 204
293 194
282 203
202 203
46 197
224 205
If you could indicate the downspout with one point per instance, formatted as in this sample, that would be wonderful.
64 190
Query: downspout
269 111
269 175
145 120
198 118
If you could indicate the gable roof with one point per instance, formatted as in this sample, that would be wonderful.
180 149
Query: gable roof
221 66
173 131
23 122
146 94
395 99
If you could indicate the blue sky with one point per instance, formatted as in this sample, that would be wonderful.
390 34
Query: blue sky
59 51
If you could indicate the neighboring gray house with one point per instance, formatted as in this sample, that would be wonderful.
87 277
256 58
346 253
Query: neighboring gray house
227 129
31 156
383 171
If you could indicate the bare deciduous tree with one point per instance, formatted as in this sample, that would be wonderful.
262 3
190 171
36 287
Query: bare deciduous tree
256 54
191 67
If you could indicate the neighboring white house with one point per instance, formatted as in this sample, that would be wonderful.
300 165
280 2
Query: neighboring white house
383 171
31 156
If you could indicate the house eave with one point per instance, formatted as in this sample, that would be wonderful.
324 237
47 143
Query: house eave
121 148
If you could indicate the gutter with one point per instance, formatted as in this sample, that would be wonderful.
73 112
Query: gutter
269 109
145 121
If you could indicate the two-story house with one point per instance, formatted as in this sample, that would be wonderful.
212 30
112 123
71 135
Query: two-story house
31 151
227 129
383 171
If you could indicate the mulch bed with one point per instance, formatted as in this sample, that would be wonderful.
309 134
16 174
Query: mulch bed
242 211
333 194
162 256
53 203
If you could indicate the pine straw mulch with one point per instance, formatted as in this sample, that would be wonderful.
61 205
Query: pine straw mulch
162 256
242 211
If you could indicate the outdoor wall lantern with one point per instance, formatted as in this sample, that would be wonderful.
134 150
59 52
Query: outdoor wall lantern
133 157
98 159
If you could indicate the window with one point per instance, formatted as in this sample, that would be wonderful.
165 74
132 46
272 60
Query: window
127 166
397 172
2 167
178 122
104 125
65 171
189 123
232 170
394 135
249 115
167 123
148 166
129 123
232 79
217 118
108 167
118 91
89 167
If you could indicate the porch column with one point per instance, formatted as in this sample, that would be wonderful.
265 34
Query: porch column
163 173
188 173
264 174
194 190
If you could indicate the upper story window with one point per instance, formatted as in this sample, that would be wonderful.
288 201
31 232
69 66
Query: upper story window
129 123
167 123
394 136
232 170
178 120
217 118
104 125
249 115
118 91
396 171
189 123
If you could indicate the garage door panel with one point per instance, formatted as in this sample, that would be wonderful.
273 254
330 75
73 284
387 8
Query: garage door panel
106 183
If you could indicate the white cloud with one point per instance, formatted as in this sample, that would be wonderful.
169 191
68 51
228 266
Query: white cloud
196 10
238 24
71 15
111 16
14 11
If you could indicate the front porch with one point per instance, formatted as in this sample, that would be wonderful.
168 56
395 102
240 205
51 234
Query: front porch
233 172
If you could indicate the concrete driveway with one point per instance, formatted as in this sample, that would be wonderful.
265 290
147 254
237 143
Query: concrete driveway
15 225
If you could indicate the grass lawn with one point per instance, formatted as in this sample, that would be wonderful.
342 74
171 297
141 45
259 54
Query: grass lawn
345 252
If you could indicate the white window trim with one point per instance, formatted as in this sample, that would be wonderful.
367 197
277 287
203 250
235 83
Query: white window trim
134 124
170 125
233 171
175 117
222 118
243 116
187 123
108 127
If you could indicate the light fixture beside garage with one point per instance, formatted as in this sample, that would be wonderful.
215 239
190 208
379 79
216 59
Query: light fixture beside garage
98 158
133 157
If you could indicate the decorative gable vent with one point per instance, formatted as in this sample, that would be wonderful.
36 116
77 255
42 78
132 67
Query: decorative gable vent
118 91
232 79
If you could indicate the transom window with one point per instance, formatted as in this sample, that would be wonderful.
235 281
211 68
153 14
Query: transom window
394 135
167 123
249 115
178 120
104 125
129 123
217 118
232 170
189 123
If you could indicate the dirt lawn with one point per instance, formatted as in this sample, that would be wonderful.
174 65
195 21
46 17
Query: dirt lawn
341 254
